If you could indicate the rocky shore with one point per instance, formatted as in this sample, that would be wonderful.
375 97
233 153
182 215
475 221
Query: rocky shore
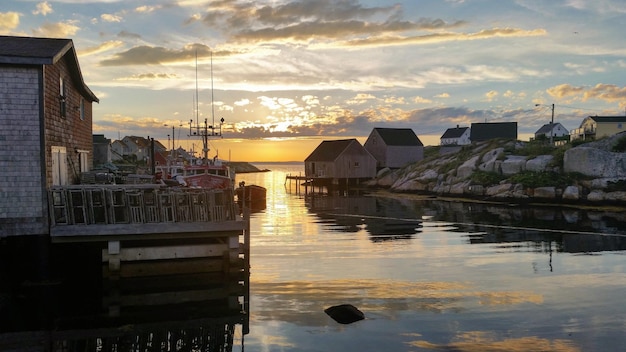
514 171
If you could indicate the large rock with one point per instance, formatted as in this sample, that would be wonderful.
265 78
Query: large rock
595 162
513 164
545 192
467 168
539 163
571 193
499 191
489 161
345 313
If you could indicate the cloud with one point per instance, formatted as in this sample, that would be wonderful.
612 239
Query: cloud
106 46
605 92
491 95
149 55
149 77
56 30
107 17
128 35
9 20
311 20
446 37
147 9
43 8
420 100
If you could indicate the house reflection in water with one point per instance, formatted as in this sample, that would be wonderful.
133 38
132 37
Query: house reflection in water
384 219
542 228
148 308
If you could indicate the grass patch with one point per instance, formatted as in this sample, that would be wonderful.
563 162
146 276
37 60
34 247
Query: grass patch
485 178
532 179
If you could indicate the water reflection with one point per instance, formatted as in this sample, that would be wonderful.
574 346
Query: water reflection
397 218
84 307
384 219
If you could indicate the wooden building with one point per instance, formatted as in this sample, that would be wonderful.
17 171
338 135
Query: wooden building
45 130
339 162
593 127
455 136
394 147
484 131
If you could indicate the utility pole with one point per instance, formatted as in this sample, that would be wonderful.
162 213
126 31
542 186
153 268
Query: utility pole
552 127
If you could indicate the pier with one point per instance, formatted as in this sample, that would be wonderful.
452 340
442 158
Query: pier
321 184
173 229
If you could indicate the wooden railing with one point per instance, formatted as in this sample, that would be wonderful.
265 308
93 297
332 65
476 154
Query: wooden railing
137 204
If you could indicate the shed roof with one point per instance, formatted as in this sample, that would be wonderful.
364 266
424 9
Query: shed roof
491 130
399 136
547 128
43 51
454 132
330 150
608 119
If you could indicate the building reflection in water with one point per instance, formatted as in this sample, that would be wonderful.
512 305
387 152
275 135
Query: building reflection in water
543 228
384 219
141 309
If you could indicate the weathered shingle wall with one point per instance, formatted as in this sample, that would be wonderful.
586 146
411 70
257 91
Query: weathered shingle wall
21 191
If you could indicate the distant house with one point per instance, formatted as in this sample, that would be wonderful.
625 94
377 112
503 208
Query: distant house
456 136
45 129
340 159
394 147
556 130
101 150
484 131
594 127
119 150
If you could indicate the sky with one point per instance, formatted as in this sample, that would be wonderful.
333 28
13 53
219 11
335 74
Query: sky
285 74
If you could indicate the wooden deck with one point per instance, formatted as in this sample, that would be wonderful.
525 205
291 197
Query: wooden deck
109 210
139 224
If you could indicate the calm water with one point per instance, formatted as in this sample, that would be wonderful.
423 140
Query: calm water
432 275
429 275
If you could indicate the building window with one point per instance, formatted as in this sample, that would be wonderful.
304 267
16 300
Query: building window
356 164
62 97
82 108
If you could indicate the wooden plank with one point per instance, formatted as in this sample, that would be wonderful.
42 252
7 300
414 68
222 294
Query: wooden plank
167 267
176 230
167 252
175 297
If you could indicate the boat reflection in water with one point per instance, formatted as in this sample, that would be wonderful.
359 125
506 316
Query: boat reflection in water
145 308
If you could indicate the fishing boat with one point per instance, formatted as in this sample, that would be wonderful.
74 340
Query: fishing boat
251 196
212 174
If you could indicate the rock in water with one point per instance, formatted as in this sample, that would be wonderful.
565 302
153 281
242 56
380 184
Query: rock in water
345 313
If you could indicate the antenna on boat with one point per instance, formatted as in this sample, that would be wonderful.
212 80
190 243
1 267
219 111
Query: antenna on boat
203 131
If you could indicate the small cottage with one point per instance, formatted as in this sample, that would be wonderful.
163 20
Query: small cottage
484 131
455 136
340 162
45 130
554 130
394 147
594 127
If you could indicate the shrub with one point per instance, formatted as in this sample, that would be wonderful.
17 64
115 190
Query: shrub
532 179
620 145
485 178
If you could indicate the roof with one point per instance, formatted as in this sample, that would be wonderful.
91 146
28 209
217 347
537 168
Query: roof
43 51
399 136
608 119
330 150
455 132
547 128
491 130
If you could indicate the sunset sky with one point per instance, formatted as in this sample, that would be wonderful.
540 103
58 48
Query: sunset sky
288 74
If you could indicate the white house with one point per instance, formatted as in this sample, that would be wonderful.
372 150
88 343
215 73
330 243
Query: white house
456 136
